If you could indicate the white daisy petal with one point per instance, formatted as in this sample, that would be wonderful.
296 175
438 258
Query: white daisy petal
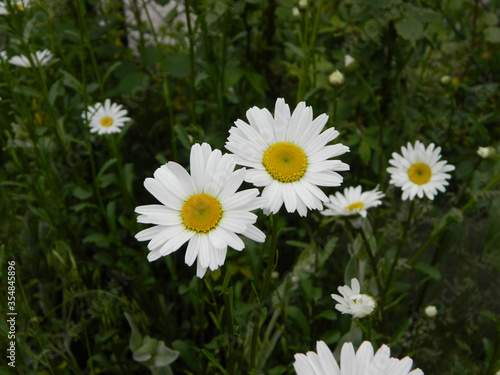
288 150
352 302
418 171
105 118
361 362
203 208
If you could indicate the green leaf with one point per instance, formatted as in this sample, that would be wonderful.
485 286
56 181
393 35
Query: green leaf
135 337
492 34
133 83
146 350
110 70
183 136
177 65
364 152
82 193
327 314
409 28
98 239
429 270
212 359
165 356
298 316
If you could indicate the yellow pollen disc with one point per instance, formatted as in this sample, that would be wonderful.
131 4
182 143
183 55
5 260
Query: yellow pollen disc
20 6
201 213
285 162
358 205
419 173
106 121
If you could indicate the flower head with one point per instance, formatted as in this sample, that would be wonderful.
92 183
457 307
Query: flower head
288 155
445 80
19 4
41 58
364 361
202 207
419 171
352 302
336 78
106 118
486 152
430 311
353 202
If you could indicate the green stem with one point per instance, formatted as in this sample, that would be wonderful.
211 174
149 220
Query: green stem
166 91
373 261
228 312
265 288
398 253
192 70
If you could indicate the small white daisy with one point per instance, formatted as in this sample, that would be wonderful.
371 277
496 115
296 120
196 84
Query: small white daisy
353 202
288 155
39 57
106 119
364 361
21 5
202 207
352 302
419 171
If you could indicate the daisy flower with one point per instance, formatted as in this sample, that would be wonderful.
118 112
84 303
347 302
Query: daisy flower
419 171
18 4
106 119
288 155
364 361
353 202
39 57
202 207
352 302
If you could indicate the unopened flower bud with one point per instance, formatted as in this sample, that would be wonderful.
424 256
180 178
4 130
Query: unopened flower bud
445 80
336 78
295 12
302 4
430 311
349 62
486 152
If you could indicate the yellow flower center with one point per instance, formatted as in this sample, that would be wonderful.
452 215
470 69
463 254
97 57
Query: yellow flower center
357 205
20 6
106 121
285 162
201 213
419 173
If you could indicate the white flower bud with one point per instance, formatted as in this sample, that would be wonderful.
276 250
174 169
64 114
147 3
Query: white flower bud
336 78
445 80
486 152
302 4
349 61
295 12
430 311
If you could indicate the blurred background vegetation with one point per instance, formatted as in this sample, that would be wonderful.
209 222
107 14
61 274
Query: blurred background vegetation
89 302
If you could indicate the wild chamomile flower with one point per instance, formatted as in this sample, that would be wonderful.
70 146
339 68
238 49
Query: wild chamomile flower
288 155
202 207
21 5
352 302
106 118
364 361
419 171
39 57
353 202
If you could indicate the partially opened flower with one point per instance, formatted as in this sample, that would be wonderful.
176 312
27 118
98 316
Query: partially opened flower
106 118
352 302
289 156
202 207
353 202
418 171
41 58
362 362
